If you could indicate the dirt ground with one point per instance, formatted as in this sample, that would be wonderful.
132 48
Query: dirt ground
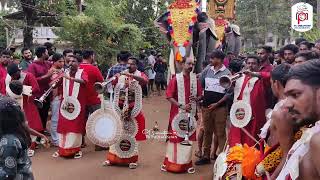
89 167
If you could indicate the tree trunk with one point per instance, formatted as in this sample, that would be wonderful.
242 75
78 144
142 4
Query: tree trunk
79 5
29 20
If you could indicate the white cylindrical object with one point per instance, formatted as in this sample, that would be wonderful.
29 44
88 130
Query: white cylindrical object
204 5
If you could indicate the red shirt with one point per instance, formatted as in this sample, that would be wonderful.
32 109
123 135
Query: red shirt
172 92
38 69
78 125
94 75
3 75
266 68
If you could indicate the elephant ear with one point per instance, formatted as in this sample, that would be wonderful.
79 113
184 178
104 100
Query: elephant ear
162 23
212 28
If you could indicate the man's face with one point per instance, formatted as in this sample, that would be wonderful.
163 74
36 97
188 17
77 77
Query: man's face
215 61
303 48
188 65
317 45
73 63
132 65
299 60
288 56
16 76
302 102
27 55
5 59
274 87
59 64
252 64
262 53
67 57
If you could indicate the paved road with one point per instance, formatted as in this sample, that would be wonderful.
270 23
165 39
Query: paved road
89 167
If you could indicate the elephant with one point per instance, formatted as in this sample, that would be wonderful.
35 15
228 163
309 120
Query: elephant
202 42
232 42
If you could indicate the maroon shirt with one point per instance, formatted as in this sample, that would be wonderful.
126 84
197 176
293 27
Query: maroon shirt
3 75
39 69
266 68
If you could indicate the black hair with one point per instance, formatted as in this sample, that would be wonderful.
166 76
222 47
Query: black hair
153 52
308 73
87 53
268 49
12 121
16 87
56 57
254 57
134 59
6 52
306 43
77 52
66 51
78 58
236 65
202 17
12 69
299 40
217 54
48 45
307 55
124 56
24 49
280 72
40 50
291 47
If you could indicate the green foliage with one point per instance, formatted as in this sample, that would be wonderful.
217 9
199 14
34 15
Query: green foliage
142 13
102 29
256 18
314 33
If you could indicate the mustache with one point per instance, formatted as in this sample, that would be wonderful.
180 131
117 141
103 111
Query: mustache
292 111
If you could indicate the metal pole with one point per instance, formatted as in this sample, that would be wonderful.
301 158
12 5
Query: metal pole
318 13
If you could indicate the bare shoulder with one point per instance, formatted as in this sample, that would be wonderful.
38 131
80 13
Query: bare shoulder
315 143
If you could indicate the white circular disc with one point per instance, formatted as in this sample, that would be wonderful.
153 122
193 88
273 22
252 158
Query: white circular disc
240 114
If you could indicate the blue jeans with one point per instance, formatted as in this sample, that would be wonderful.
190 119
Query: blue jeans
55 106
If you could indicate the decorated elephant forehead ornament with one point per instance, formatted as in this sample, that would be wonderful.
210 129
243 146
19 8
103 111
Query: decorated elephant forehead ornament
181 18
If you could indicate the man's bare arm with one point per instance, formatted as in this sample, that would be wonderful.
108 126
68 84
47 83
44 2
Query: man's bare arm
314 151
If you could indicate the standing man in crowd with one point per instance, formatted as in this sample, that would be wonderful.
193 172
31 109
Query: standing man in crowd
123 57
160 68
251 89
30 109
58 65
4 61
40 69
302 101
151 72
289 51
183 92
265 53
27 58
214 111
124 82
67 53
94 75
71 126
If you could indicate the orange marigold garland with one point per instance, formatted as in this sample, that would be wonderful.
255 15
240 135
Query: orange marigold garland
181 19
